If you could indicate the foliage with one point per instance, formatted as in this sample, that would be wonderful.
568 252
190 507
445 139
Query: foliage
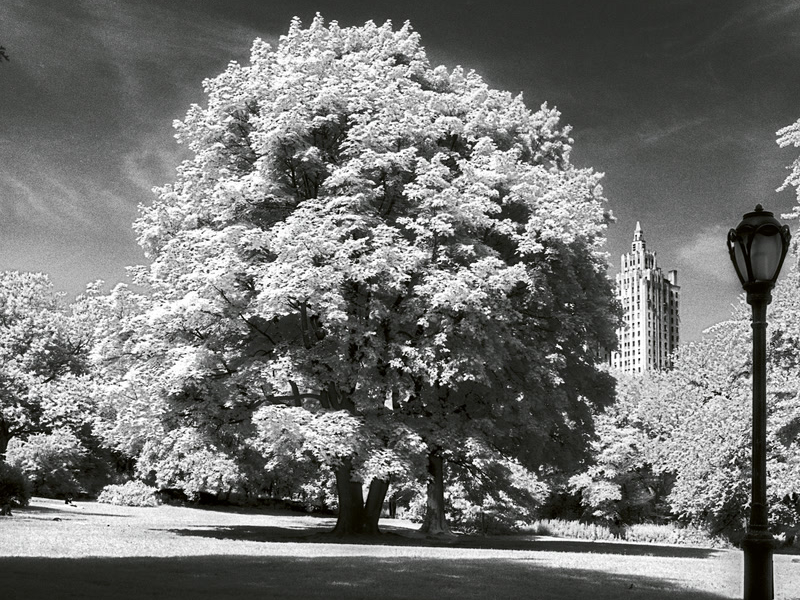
681 441
490 493
621 485
15 489
673 533
411 249
130 493
52 462
790 136
184 459
41 348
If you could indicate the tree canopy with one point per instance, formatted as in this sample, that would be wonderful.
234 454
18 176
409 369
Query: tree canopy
368 259
42 353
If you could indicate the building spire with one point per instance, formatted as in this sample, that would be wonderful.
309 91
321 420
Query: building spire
638 244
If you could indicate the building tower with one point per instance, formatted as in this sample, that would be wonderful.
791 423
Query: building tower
650 307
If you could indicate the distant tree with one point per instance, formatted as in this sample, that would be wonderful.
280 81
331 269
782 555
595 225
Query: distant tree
621 485
42 354
380 260
52 462
678 445
691 427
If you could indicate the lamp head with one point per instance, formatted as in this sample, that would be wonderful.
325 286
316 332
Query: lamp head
758 247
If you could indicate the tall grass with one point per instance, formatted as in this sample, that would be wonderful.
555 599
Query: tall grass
642 533
569 529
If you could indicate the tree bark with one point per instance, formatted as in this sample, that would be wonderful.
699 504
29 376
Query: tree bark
372 510
435 522
351 501
5 438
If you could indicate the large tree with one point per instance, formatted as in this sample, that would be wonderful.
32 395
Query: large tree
410 252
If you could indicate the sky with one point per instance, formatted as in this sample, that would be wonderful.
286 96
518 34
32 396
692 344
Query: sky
676 101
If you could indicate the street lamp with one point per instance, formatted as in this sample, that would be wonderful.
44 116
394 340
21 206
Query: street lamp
758 247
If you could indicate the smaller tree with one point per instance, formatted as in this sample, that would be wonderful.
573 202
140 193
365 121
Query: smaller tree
52 462
43 357
621 486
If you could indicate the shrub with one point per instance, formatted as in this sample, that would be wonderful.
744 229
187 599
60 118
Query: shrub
130 493
15 489
184 459
51 462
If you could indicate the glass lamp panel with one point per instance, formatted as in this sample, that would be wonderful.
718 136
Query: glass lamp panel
738 253
765 254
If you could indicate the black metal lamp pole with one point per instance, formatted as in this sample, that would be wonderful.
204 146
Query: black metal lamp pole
757 248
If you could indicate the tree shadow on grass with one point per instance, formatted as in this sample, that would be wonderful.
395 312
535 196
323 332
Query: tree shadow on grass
343 578
68 511
397 536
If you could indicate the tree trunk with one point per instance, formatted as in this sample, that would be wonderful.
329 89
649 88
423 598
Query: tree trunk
351 501
435 522
5 437
372 510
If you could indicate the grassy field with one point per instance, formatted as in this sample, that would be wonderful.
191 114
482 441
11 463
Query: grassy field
51 550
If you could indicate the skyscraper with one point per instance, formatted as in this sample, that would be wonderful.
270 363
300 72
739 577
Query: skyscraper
650 305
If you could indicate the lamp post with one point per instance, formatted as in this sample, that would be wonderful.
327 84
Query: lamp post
757 248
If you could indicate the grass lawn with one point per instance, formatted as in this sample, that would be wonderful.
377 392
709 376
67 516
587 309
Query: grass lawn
97 551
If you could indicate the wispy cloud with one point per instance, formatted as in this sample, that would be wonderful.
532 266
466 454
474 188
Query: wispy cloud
657 134
706 255
54 203
150 163
92 136
773 22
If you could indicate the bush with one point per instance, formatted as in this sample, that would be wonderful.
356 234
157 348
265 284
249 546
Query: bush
51 462
15 489
130 493
185 459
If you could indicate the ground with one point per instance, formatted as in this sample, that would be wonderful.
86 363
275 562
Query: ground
97 551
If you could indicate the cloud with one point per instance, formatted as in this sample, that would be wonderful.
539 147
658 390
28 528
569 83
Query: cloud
151 163
706 254
655 135
772 25
91 93
48 201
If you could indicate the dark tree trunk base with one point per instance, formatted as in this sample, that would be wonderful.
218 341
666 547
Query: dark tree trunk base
355 516
351 502
374 505
435 522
